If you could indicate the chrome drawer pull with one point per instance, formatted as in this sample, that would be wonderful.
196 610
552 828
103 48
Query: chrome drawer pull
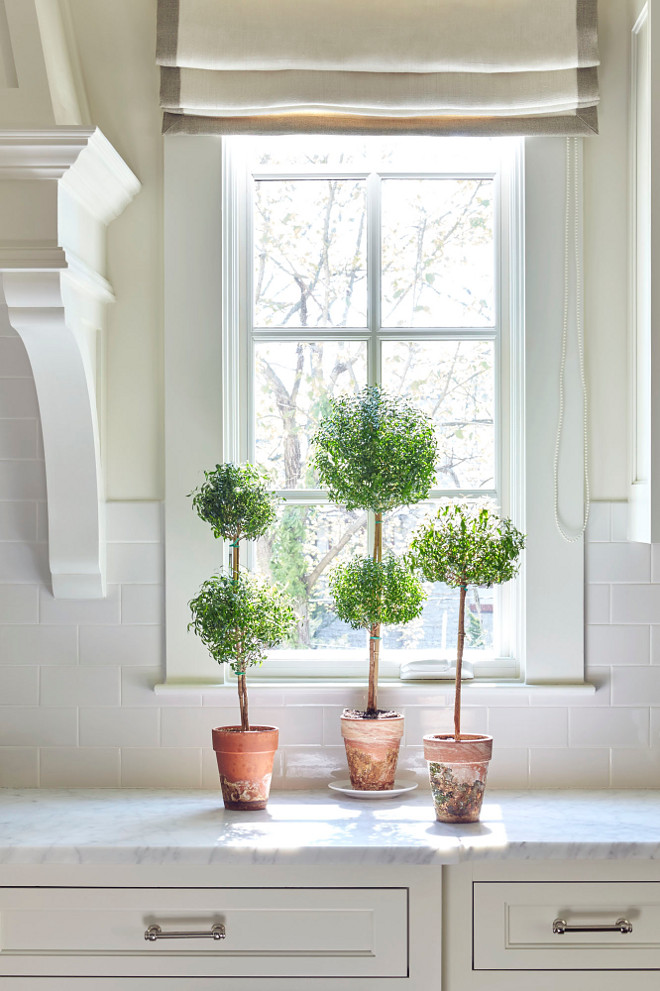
620 926
155 932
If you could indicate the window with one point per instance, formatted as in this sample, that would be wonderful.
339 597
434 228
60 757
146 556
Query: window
537 629
371 261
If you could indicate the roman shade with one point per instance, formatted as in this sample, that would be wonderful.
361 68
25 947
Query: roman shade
361 66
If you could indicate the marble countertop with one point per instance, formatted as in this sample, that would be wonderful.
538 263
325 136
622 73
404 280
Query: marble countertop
314 827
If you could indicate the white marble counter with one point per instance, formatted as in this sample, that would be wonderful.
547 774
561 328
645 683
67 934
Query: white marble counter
187 827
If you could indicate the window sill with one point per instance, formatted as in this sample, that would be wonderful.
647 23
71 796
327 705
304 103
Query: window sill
477 691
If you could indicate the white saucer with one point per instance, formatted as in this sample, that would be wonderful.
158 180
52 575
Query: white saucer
400 788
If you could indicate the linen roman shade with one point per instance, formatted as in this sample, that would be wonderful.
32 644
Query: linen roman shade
361 66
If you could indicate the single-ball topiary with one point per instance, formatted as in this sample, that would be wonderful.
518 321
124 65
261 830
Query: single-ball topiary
236 500
465 546
238 617
375 451
368 593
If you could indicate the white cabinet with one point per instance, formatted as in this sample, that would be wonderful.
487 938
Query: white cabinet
316 928
591 926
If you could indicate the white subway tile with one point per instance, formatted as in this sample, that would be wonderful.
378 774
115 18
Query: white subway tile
655 727
636 685
636 604
23 563
160 768
142 604
79 767
636 768
37 644
137 688
545 727
14 362
569 767
184 728
655 563
597 603
332 725
134 521
298 724
508 768
19 685
18 398
655 644
421 720
618 563
22 480
19 767
619 521
119 727
42 522
598 527
227 695
18 439
32 726
120 645
77 685
312 767
18 604
75 611
18 521
618 645
135 563
608 727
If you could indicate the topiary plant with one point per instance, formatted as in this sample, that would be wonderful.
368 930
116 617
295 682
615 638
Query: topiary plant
463 546
374 451
237 617
368 593
238 504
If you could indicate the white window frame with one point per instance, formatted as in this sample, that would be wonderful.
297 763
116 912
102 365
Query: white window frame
550 630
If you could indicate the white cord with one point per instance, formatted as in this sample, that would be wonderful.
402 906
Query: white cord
572 198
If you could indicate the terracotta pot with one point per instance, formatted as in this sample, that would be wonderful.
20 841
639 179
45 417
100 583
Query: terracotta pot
372 749
457 771
245 764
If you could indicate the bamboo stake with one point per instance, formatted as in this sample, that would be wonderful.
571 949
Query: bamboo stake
374 632
242 686
459 663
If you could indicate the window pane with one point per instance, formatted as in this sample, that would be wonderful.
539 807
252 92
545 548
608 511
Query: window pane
437 253
298 552
436 630
453 382
310 253
292 384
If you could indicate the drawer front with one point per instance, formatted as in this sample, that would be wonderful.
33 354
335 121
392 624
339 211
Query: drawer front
513 925
280 932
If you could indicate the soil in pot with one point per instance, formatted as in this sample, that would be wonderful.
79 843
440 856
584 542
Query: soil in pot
245 764
372 747
457 773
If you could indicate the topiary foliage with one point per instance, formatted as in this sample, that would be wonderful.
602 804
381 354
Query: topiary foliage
367 592
375 451
463 546
236 501
238 618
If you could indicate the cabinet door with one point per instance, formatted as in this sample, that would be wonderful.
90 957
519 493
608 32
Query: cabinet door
278 932
514 925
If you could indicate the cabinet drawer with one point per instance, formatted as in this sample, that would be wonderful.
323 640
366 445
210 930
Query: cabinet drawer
281 932
513 925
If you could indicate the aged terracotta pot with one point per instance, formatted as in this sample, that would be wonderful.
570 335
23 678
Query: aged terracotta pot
457 771
372 749
245 764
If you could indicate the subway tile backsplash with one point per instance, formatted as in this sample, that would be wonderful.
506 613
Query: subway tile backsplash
77 706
